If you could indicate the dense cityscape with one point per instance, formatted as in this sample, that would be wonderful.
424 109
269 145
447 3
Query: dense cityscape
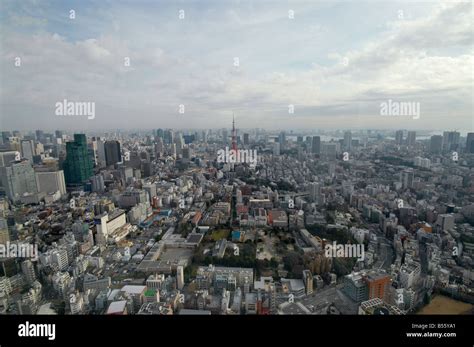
236 222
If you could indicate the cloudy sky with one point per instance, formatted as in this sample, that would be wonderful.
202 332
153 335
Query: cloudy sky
335 61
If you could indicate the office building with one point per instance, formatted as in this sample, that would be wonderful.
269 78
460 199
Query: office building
276 148
329 150
78 166
98 184
7 158
51 182
40 135
18 179
409 274
451 140
347 143
399 137
315 192
27 149
316 145
101 160
378 285
422 162
28 270
355 287
282 140
470 143
445 221
411 138
112 152
436 144
407 178
246 139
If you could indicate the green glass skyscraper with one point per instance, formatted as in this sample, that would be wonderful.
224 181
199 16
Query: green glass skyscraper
78 166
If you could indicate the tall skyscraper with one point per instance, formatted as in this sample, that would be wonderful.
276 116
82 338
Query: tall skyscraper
282 140
101 161
225 136
399 137
315 192
470 143
28 149
39 135
168 137
411 138
98 184
451 140
78 166
180 277
159 147
112 152
246 139
347 140
316 145
436 144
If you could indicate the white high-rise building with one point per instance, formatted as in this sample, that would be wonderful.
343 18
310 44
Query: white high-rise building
422 162
59 257
51 182
18 179
180 277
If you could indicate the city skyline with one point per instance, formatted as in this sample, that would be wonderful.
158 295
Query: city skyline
278 65
255 159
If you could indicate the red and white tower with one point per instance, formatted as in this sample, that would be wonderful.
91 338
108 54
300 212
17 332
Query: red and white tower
234 134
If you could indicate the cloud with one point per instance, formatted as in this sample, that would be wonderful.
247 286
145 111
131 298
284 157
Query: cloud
426 59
